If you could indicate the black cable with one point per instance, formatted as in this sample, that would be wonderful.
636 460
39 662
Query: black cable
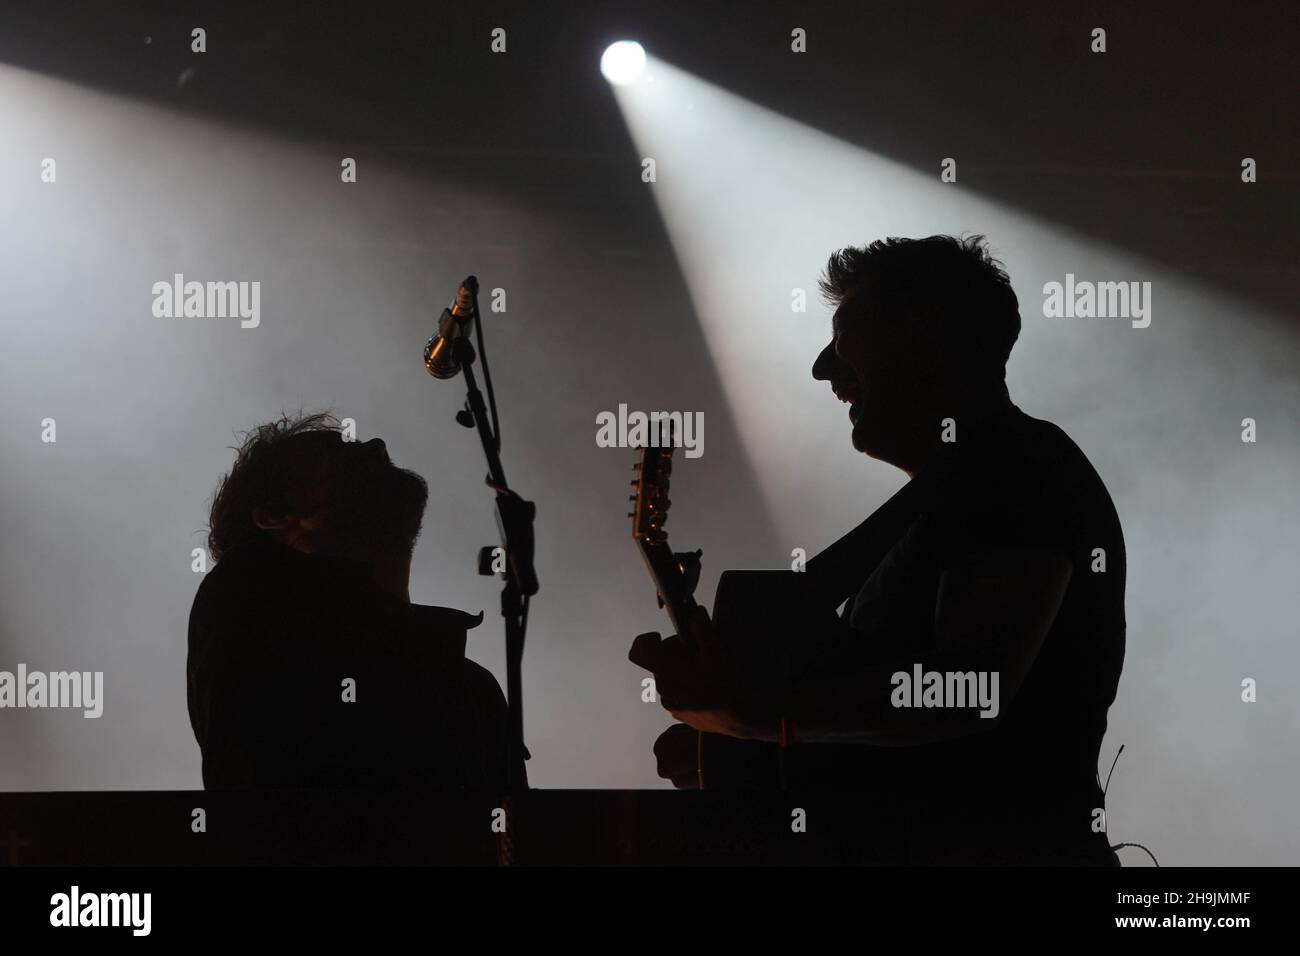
1104 791
1120 846
1112 770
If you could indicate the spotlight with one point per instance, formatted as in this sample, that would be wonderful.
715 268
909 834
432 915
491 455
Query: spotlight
623 62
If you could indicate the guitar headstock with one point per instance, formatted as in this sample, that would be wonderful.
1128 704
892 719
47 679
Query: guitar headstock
653 471
675 575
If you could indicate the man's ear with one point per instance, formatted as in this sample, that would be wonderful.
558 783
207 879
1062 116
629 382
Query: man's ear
271 519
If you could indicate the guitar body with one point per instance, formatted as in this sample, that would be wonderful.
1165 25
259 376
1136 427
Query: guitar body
771 624
769 621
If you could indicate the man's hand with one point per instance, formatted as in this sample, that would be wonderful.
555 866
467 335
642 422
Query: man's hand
700 686
677 756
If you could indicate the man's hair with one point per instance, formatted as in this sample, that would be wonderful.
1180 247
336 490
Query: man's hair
958 278
275 463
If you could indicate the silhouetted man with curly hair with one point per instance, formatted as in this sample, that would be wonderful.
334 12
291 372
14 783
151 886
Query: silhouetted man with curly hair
308 665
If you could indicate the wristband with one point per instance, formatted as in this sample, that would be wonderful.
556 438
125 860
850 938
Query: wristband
787 731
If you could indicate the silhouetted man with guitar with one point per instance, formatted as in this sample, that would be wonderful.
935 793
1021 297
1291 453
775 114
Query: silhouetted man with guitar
955 654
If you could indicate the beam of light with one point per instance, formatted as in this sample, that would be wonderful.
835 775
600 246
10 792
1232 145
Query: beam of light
146 408
623 62
353 278
754 202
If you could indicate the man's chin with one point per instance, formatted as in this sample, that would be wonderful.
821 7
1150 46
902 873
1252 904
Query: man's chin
861 439
865 442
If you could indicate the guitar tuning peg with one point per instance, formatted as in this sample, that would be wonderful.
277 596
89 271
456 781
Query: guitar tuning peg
631 514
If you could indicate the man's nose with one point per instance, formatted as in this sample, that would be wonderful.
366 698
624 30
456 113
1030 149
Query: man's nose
375 447
825 363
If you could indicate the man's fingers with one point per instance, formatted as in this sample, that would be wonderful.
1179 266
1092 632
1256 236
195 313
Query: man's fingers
645 650
676 752
655 653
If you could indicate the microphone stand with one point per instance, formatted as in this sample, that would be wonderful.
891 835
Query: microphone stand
515 524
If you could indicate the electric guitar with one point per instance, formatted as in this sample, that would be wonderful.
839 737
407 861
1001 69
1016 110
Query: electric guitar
777 626
675 575
755 613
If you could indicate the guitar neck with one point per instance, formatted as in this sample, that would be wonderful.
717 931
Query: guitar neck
671 582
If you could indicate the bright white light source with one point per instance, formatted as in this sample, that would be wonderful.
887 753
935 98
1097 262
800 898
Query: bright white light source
623 62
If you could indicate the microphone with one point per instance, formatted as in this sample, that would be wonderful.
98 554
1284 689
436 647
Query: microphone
456 320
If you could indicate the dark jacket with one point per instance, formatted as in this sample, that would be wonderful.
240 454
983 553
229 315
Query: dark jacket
1030 784
275 637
